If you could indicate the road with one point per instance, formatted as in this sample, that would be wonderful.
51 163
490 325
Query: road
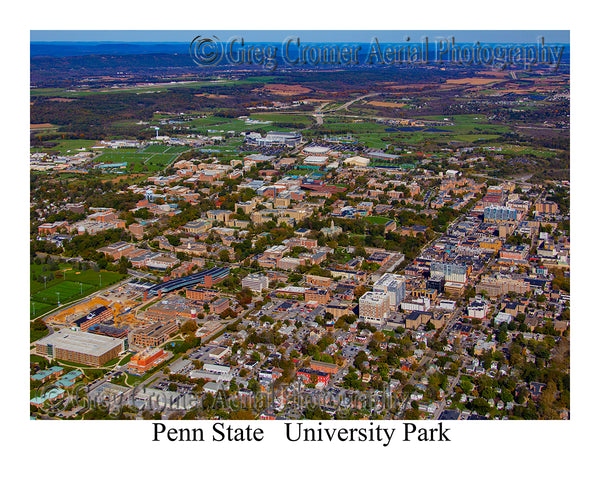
456 314
447 394
319 111
347 104
430 354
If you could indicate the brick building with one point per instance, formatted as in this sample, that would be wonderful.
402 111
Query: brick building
153 335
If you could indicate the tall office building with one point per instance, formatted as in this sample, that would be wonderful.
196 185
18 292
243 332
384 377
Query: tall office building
452 272
374 306
393 284
499 214
256 282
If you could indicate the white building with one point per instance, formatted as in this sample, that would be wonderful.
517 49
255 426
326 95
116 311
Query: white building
357 161
452 272
478 309
317 160
317 150
374 306
503 317
256 282
215 368
416 305
393 284
447 304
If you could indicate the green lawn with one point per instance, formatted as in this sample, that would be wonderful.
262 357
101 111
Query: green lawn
160 87
456 119
68 286
37 359
125 359
473 138
283 118
67 146
64 292
146 161
78 365
377 220
172 149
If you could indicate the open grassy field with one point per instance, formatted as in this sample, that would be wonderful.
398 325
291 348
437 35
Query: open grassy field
148 88
67 146
223 125
152 159
354 127
387 104
284 118
473 138
164 149
68 285
377 220
521 150
456 119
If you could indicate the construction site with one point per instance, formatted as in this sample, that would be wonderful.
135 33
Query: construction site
119 310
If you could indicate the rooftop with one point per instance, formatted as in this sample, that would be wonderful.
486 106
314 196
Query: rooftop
81 342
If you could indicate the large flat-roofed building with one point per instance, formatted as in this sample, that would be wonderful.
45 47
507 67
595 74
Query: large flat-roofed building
94 317
290 139
319 295
80 347
162 262
173 308
357 161
318 281
319 160
393 284
546 207
501 285
218 305
436 281
256 282
137 230
145 360
201 294
374 306
117 250
498 213
153 335
452 272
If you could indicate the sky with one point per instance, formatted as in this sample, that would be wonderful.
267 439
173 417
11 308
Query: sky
160 36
